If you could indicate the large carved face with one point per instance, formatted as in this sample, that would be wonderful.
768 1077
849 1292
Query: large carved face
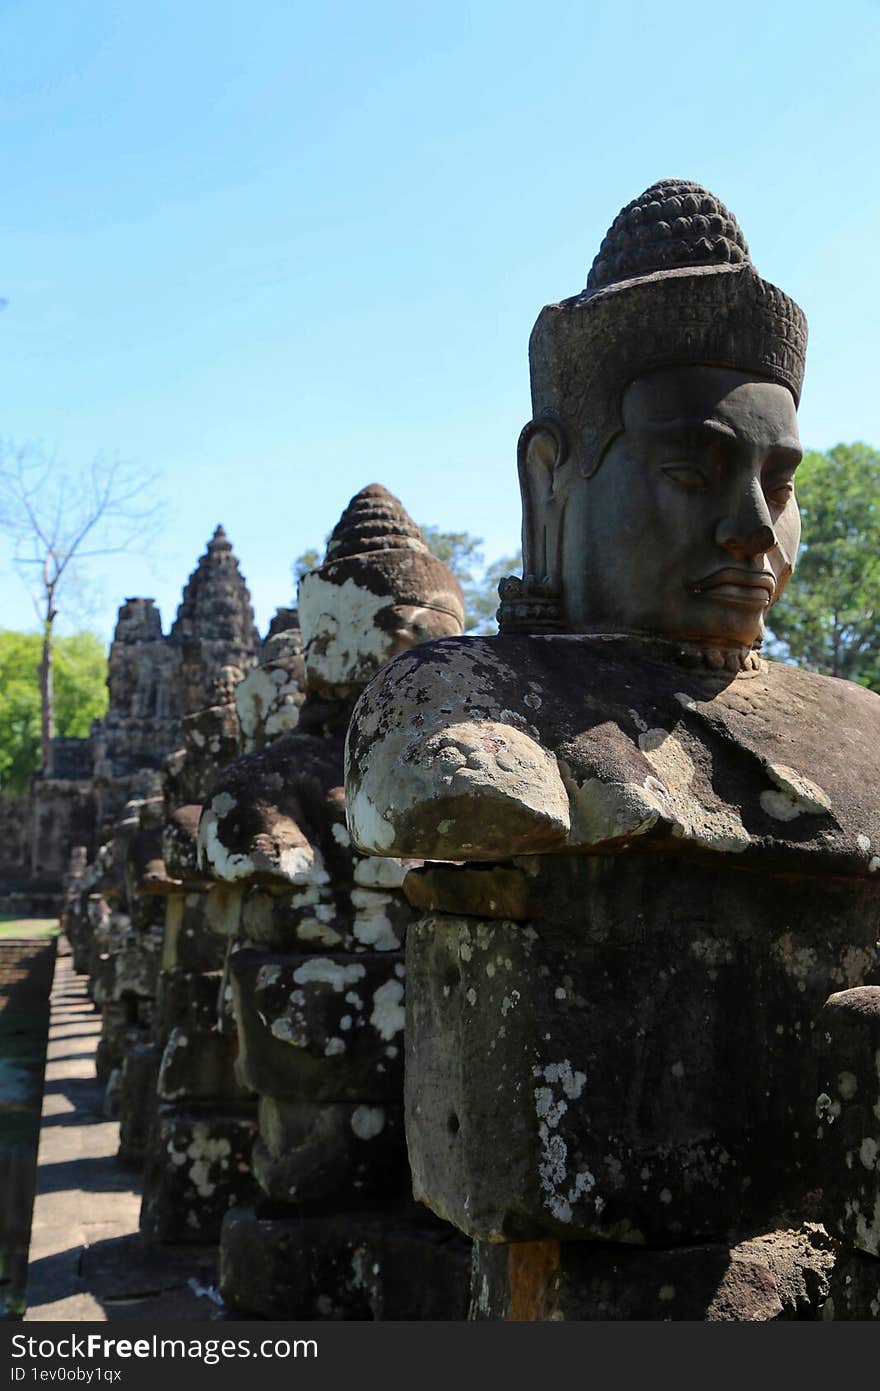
689 528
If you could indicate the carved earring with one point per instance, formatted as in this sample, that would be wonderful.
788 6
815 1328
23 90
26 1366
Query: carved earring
528 605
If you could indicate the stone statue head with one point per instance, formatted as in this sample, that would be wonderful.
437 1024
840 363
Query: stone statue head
378 592
657 473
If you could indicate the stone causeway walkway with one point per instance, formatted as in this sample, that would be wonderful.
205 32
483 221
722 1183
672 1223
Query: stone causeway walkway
87 1259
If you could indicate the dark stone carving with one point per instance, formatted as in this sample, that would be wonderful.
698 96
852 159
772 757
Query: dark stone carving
684 837
317 978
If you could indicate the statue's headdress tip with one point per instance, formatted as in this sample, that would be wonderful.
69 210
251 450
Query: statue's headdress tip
674 225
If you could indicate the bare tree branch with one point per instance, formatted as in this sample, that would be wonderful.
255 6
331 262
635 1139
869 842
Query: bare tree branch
49 516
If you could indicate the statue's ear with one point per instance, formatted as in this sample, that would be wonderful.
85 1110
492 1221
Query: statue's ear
542 455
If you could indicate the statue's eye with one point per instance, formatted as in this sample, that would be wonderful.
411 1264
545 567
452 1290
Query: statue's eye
687 476
779 493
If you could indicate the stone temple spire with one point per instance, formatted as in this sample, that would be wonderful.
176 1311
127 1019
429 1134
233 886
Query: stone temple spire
214 626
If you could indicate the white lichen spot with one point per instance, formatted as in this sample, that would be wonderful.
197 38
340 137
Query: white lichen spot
827 1110
797 796
388 1013
372 925
324 971
384 872
368 1121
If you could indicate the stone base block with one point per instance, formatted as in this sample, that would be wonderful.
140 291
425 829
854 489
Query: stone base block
199 1065
135 962
365 1266
197 1167
137 1102
320 1028
341 1151
641 1059
189 942
848 1118
187 998
782 1275
119 1034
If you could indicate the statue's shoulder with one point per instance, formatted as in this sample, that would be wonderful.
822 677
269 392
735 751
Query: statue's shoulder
823 693
448 754
455 671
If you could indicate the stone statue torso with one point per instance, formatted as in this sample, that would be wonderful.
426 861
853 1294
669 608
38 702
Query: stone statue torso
482 748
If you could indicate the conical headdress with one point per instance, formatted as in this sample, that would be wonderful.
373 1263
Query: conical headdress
673 283
378 545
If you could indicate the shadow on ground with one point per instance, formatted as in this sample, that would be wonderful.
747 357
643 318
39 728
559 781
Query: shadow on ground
88 1260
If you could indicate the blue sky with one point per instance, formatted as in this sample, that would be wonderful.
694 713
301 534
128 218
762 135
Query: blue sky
276 252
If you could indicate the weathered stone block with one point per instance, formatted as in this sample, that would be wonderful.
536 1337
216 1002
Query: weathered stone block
793 1274
119 1032
135 960
199 1064
320 1028
847 1119
190 945
631 1056
489 891
187 998
198 1166
137 1101
179 850
364 1266
344 1151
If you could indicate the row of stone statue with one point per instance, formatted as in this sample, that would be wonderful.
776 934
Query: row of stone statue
568 934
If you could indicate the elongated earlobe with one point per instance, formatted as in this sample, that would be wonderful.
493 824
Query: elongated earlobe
541 459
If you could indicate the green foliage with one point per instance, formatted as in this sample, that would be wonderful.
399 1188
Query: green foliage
463 553
829 617
80 666
308 560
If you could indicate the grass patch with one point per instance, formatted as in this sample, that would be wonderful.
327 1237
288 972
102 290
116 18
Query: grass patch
27 927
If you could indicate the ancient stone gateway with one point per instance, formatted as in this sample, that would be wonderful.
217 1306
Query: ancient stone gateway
658 852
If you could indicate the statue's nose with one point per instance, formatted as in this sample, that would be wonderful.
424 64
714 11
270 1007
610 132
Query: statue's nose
749 532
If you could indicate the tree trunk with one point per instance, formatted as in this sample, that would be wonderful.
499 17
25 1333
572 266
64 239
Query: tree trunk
47 696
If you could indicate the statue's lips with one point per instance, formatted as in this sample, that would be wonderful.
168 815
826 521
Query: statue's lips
747 588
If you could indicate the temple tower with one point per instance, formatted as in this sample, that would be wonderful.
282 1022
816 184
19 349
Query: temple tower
214 626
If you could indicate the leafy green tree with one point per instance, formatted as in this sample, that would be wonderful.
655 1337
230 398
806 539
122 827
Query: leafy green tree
308 560
80 668
829 617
